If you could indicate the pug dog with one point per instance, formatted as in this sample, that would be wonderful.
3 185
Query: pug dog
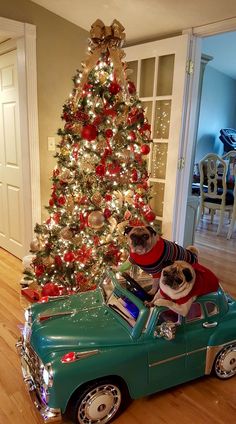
180 285
151 252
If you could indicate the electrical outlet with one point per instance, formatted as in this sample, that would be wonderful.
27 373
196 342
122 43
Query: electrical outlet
51 144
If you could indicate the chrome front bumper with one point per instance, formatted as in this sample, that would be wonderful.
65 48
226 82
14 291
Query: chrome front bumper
49 415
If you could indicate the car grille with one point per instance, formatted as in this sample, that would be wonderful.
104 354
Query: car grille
35 369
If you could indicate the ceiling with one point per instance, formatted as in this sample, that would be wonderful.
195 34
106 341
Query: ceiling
151 19
143 19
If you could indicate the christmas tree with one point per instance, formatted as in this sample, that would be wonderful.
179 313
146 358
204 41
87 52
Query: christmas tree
100 182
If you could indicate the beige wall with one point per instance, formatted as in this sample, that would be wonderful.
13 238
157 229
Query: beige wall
61 47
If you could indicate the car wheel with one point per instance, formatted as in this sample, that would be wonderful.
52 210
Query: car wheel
99 403
225 363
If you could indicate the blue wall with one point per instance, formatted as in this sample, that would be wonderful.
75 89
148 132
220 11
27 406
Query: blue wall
217 110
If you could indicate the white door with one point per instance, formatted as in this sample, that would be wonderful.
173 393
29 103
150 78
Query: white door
159 73
11 201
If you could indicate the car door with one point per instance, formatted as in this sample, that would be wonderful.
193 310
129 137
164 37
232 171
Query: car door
200 324
166 358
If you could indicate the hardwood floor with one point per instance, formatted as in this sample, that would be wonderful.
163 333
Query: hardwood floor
206 400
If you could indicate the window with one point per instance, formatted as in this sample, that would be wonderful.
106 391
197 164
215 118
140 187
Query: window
195 312
168 315
212 308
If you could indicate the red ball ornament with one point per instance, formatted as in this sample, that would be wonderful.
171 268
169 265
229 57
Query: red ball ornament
97 121
114 168
61 200
81 116
56 217
87 87
66 116
109 133
100 170
114 88
58 260
109 112
69 257
150 216
131 87
145 149
134 175
50 289
107 213
132 136
39 270
89 132
108 197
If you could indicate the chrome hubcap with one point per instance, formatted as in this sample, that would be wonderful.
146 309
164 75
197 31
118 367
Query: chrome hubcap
99 405
226 362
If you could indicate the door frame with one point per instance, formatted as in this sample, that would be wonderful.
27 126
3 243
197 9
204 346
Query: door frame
189 121
22 37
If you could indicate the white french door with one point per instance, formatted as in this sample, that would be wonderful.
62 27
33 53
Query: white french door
159 73
11 198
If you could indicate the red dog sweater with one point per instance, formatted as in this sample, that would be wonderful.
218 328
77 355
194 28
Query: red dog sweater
157 258
206 282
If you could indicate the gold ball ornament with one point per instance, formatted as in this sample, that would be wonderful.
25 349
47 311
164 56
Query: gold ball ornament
70 204
77 128
77 239
129 196
125 155
96 198
96 220
35 245
121 227
66 233
91 180
119 141
87 165
103 76
66 176
65 151
48 261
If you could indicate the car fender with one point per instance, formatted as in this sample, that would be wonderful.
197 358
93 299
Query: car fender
130 364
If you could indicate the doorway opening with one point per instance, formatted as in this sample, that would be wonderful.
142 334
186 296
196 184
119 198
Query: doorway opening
216 125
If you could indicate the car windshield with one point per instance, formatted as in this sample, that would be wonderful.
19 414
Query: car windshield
124 307
121 304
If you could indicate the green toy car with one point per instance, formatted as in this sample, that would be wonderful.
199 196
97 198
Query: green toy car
91 352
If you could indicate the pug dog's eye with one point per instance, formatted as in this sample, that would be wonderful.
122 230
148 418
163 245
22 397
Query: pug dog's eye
165 273
145 237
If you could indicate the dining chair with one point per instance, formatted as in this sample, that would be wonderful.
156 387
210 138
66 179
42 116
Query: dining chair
230 157
213 188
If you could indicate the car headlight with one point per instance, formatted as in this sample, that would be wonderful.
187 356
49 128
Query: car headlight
47 375
28 315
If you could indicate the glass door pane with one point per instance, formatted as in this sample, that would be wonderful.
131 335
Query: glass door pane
147 77
165 75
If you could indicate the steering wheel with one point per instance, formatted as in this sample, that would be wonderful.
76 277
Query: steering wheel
135 288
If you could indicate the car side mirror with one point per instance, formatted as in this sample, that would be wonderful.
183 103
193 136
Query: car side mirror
167 330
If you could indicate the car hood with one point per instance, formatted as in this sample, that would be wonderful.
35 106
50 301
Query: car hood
79 322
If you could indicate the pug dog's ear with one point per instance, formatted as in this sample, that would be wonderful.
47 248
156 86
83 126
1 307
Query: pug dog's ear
188 275
127 230
151 230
